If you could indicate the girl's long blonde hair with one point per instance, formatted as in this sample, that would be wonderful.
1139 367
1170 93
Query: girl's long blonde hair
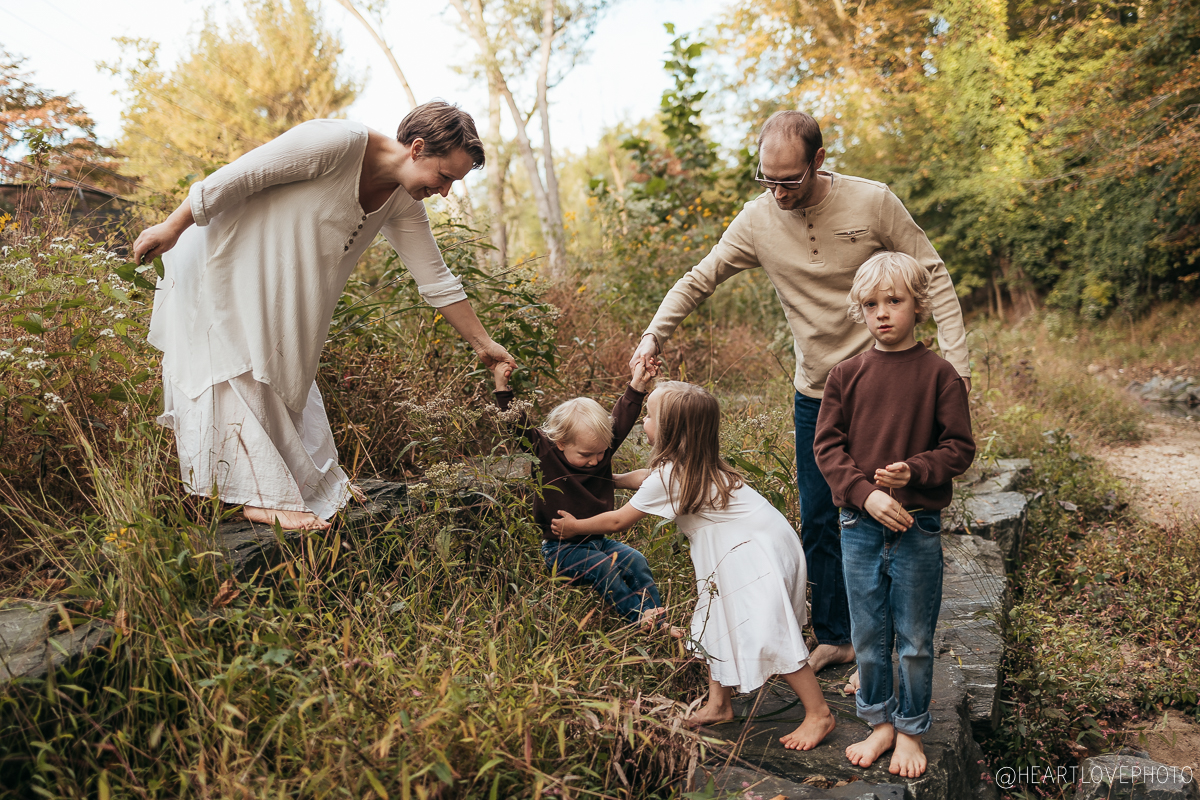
688 438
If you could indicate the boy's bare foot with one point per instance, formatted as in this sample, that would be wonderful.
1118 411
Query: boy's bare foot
853 684
908 761
810 733
863 754
824 655
288 520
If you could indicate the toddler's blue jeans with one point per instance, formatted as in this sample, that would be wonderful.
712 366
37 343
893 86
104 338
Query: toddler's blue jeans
894 583
618 572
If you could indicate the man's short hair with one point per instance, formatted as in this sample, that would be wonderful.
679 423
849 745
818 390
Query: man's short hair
444 128
575 418
883 270
795 126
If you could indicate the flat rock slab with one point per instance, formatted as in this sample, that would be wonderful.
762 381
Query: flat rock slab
966 674
742 782
999 516
31 640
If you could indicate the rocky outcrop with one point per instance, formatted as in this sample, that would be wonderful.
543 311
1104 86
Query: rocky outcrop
1129 777
1168 389
34 638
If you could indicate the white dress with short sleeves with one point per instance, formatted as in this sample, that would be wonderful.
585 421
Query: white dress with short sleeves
750 583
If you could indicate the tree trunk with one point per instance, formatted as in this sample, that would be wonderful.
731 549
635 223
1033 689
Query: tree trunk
548 35
497 173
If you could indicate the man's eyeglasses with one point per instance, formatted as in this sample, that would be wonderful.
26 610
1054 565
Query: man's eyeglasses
787 186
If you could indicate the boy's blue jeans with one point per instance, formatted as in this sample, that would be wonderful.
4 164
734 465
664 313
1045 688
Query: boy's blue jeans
819 533
618 572
895 585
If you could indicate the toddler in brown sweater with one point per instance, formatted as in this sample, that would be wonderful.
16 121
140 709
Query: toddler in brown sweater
893 431
575 448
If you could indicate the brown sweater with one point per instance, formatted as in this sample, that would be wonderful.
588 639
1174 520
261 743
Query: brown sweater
883 407
583 492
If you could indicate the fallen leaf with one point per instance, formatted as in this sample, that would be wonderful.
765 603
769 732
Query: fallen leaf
226 594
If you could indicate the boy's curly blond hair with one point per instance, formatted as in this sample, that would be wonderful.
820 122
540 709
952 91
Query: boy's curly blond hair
569 419
882 270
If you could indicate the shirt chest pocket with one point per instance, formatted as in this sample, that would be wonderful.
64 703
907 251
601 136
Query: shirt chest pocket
854 234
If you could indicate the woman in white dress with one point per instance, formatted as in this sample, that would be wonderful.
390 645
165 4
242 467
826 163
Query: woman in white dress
255 261
750 571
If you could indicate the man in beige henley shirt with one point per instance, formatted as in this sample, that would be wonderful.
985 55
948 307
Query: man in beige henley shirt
810 231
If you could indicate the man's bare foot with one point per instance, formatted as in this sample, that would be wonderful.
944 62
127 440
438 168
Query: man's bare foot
908 761
810 733
853 684
288 520
358 494
824 655
711 713
863 754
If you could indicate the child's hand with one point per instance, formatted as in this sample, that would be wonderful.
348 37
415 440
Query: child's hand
500 372
887 511
893 476
561 527
642 373
631 480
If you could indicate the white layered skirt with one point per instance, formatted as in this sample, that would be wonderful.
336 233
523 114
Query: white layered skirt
240 442
750 611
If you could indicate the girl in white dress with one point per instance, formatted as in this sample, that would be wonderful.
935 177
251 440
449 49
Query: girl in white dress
750 574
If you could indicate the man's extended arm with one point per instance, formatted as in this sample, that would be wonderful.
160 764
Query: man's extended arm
901 234
731 255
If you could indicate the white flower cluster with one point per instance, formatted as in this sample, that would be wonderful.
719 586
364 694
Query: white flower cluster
39 363
53 401
5 355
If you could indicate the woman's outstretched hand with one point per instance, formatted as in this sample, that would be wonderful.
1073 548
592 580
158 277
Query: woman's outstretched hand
646 353
158 239
559 527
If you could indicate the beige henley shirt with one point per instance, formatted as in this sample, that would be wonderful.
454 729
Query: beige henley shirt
811 255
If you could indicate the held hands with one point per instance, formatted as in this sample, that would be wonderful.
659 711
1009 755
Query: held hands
884 508
893 476
642 374
646 354
492 353
561 527
500 372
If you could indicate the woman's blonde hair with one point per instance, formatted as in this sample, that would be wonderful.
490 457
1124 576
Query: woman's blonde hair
882 270
583 415
688 438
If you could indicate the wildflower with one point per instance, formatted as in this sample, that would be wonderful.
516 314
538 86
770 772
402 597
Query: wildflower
119 316
36 364
107 332
27 350
53 401
6 356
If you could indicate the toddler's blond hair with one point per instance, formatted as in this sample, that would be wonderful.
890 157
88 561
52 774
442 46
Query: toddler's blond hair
882 270
583 415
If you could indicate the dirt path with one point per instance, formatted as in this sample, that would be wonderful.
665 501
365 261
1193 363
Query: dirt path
1164 470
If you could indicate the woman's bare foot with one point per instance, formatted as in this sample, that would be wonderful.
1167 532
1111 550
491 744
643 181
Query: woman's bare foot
863 754
908 761
288 520
853 684
811 732
824 655
358 494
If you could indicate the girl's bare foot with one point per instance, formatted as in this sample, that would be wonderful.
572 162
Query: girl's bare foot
824 655
288 520
853 684
710 714
811 732
863 754
908 761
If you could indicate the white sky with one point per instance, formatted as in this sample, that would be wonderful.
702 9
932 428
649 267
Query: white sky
622 78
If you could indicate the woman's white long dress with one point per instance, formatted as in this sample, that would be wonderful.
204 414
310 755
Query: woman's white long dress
244 307
750 583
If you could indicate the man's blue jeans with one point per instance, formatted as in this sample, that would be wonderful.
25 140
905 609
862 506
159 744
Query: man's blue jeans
895 586
618 572
819 533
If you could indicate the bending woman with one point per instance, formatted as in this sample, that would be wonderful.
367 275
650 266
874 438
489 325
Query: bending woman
258 255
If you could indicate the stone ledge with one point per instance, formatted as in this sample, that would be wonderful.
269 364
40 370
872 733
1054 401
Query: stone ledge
31 642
